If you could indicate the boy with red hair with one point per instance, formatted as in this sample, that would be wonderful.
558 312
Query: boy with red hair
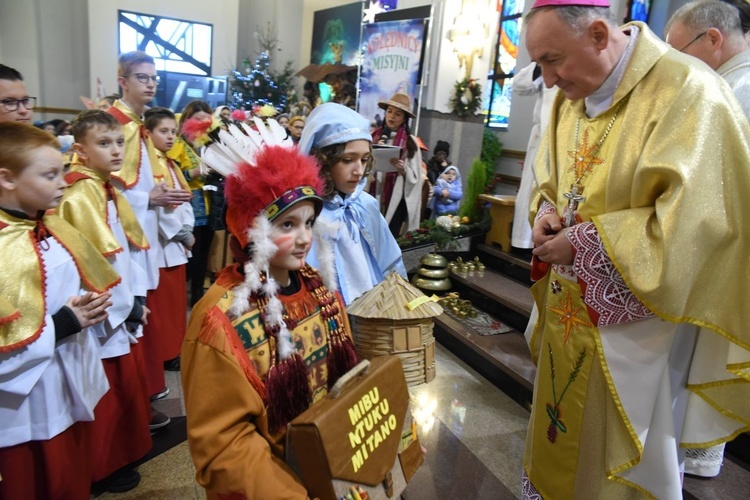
51 376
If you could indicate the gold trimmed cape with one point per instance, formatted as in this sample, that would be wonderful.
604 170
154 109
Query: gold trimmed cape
166 164
135 132
84 206
22 300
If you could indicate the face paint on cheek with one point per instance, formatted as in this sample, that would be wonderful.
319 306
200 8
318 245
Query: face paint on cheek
285 243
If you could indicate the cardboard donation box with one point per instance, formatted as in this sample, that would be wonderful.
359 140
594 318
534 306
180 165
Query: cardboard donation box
360 434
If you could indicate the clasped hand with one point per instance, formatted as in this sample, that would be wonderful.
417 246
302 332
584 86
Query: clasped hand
550 242
90 308
163 196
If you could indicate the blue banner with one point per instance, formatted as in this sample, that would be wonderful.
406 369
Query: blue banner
391 63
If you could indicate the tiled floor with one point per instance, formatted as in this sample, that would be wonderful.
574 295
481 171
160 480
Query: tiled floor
474 435
471 430
474 412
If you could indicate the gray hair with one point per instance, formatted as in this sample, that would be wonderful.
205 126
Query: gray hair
578 17
702 15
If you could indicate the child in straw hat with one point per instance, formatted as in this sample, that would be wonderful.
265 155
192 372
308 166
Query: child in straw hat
402 191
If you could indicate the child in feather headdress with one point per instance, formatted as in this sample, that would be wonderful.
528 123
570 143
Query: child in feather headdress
269 338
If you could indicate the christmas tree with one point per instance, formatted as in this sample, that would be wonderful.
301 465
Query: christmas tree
259 85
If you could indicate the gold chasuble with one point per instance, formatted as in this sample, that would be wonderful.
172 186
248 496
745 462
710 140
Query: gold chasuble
22 301
663 175
135 132
85 206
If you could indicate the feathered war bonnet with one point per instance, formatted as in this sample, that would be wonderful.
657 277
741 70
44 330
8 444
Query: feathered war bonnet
266 175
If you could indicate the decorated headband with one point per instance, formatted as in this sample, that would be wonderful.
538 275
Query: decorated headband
265 176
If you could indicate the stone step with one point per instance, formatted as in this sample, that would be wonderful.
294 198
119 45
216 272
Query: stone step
732 482
503 359
515 264
503 297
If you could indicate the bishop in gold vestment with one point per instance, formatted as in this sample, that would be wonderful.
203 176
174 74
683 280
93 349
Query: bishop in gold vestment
641 338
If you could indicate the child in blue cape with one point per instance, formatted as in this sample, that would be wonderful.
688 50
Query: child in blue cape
364 250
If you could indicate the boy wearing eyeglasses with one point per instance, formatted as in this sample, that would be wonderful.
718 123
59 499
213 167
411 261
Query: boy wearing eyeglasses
15 103
141 180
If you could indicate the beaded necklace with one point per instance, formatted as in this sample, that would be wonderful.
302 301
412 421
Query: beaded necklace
288 399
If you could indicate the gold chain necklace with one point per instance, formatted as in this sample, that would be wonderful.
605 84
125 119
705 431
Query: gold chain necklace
583 162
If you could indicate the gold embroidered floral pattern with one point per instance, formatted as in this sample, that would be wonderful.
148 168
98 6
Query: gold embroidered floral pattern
554 412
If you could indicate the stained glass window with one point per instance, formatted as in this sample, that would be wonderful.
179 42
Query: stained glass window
176 45
497 96
638 10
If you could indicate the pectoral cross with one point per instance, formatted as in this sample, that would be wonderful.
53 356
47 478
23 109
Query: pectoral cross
574 197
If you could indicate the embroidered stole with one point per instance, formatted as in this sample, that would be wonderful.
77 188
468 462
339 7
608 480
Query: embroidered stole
565 340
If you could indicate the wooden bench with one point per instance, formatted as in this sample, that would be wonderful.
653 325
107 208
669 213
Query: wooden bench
501 211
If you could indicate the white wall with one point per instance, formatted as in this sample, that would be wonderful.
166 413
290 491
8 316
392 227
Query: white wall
47 41
18 23
445 66
285 17
103 42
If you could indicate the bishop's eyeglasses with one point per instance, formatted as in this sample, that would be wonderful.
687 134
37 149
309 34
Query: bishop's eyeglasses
693 41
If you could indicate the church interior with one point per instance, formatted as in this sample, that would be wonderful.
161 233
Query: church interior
471 396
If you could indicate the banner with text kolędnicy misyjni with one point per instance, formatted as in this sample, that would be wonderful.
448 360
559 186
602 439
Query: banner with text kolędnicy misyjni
391 63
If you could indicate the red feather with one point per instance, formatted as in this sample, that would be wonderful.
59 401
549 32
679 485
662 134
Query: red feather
239 115
252 189
194 127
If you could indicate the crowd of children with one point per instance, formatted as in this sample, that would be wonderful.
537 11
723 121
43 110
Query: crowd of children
90 311
94 302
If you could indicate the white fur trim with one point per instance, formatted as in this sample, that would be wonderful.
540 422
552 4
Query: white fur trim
285 345
275 317
241 302
263 250
252 276
324 232
260 236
